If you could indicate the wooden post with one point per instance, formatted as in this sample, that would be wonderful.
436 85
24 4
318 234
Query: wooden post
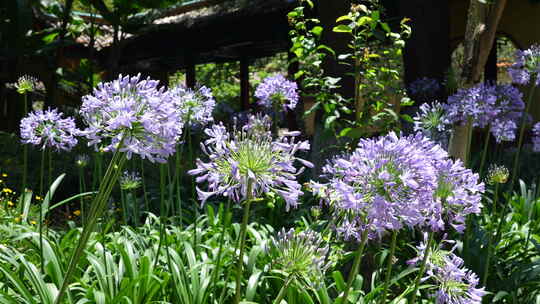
244 83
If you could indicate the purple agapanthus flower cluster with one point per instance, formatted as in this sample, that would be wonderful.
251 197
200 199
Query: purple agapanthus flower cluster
277 91
135 111
195 106
302 254
246 164
453 283
49 129
527 66
498 107
536 137
391 182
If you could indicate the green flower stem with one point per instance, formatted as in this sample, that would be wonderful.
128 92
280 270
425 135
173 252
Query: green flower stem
283 289
136 209
389 265
422 267
242 241
484 153
470 128
515 169
177 183
124 207
146 203
225 218
41 177
355 268
25 160
96 210
275 120
161 211
490 238
82 188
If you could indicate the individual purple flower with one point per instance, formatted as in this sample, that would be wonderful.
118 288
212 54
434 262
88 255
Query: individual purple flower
451 282
195 106
246 164
527 66
49 130
135 111
498 107
536 137
277 91
302 255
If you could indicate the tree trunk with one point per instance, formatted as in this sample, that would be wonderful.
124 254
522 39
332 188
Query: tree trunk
482 22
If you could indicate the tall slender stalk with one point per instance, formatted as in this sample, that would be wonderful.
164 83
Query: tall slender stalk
389 266
96 209
161 211
515 169
41 177
490 238
283 289
355 268
422 267
225 219
242 241
146 203
82 189
25 159
484 153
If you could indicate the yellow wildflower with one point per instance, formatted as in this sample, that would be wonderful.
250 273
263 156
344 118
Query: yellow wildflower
77 212
33 222
17 219
7 190
4 175
10 203
38 197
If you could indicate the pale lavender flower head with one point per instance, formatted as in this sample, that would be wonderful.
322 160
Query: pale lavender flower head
136 111
527 66
391 182
27 84
458 194
246 164
498 107
385 184
430 117
49 130
299 254
450 282
277 90
195 106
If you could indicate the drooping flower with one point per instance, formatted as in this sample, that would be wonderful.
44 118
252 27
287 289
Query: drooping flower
498 107
302 255
247 164
130 181
135 111
49 129
536 137
391 182
195 106
451 282
277 91
527 66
